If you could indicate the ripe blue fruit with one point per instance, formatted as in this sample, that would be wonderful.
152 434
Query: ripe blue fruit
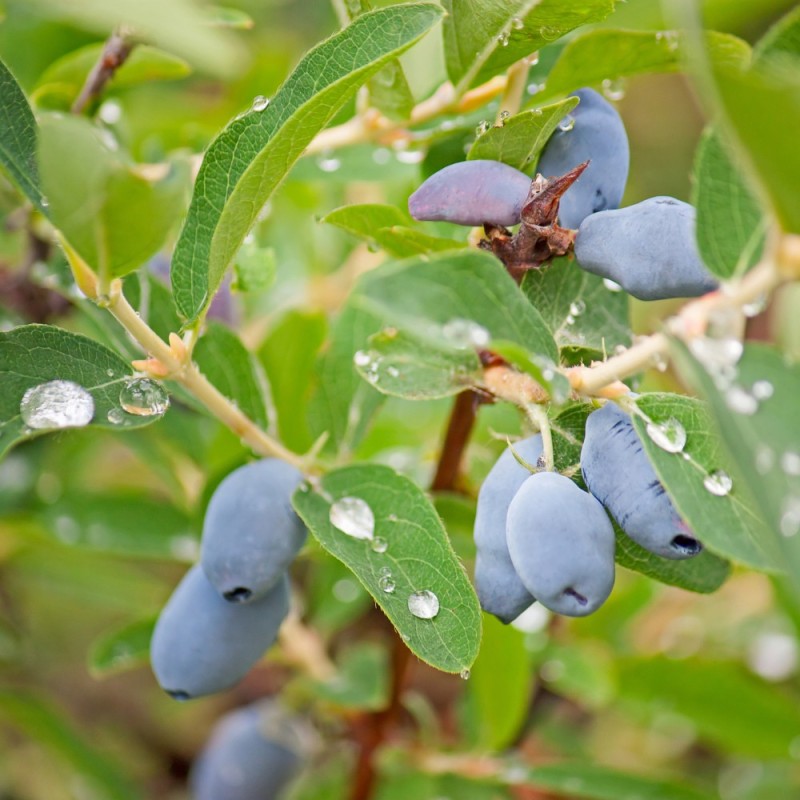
648 249
561 544
202 644
472 193
499 588
598 136
251 533
617 472
250 755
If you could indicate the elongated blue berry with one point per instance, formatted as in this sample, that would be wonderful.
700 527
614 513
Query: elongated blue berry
499 588
595 133
561 544
618 473
472 193
251 533
648 249
203 644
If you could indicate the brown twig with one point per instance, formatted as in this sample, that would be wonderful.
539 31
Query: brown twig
115 53
459 427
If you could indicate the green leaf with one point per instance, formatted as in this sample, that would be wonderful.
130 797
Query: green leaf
387 227
343 404
766 720
418 555
750 97
225 17
591 782
415 367
18 135
247 161
109 212
520 139
704 573
180 27
501 705
484 37
144 65
32 355
468 285
227 363
48 726
726 525
289 356
362 679
730 224
764 446
254 268
578 308
121 649
124 524
781 40
608 55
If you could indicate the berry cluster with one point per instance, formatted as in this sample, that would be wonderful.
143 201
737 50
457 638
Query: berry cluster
648 248
238 595
539 536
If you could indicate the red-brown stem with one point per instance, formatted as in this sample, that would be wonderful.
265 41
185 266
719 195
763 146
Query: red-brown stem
115 53
462 420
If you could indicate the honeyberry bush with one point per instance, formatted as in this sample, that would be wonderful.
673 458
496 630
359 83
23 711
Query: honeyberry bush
208 259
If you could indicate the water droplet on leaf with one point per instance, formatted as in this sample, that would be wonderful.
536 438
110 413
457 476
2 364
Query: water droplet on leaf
353 516
612 286
424 604
567 124
669 435
718 483
144 397
379 545
464 674
116 416
56 404
386 584
740 401
614 89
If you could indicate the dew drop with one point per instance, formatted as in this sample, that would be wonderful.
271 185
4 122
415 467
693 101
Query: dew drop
613 89
612 286
517 24
718 483
381 155
144 397
504 115
379 545
669 435
670 38
328 163
503 38
116 416
740 401
386 583
717 355
754 308
464 674
259 103
790 517
353 516
532 60
56 404
534 88
482 127
110 373
410 156
424 604
762 390
44 201
393 372
384 572
577 307
570 320
362 359
465 333
567 124
790 463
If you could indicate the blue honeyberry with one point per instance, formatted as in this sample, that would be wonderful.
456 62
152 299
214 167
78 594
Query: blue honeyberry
649 249
499 588
202 644
618 473
472 193
253 753
251 533
561 544
597 135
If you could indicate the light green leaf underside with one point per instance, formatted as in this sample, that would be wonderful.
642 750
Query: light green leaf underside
34 354
248 160
121 649
418 555
18 135
603 55
730 225
521 138
482 38
728 526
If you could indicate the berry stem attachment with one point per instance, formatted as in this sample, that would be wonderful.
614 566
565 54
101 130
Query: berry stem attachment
538 416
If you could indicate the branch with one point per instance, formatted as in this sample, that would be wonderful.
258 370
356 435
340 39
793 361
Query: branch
459 428
115 53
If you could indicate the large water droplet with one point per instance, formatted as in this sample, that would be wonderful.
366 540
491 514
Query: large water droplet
718 483
386 583
669 435
465 333
424 604
379 545
353 516
259 103
56 404
144 397
567 124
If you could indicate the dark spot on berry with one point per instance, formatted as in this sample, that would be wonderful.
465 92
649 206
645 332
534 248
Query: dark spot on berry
686 544
579 597
238 595
179 695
